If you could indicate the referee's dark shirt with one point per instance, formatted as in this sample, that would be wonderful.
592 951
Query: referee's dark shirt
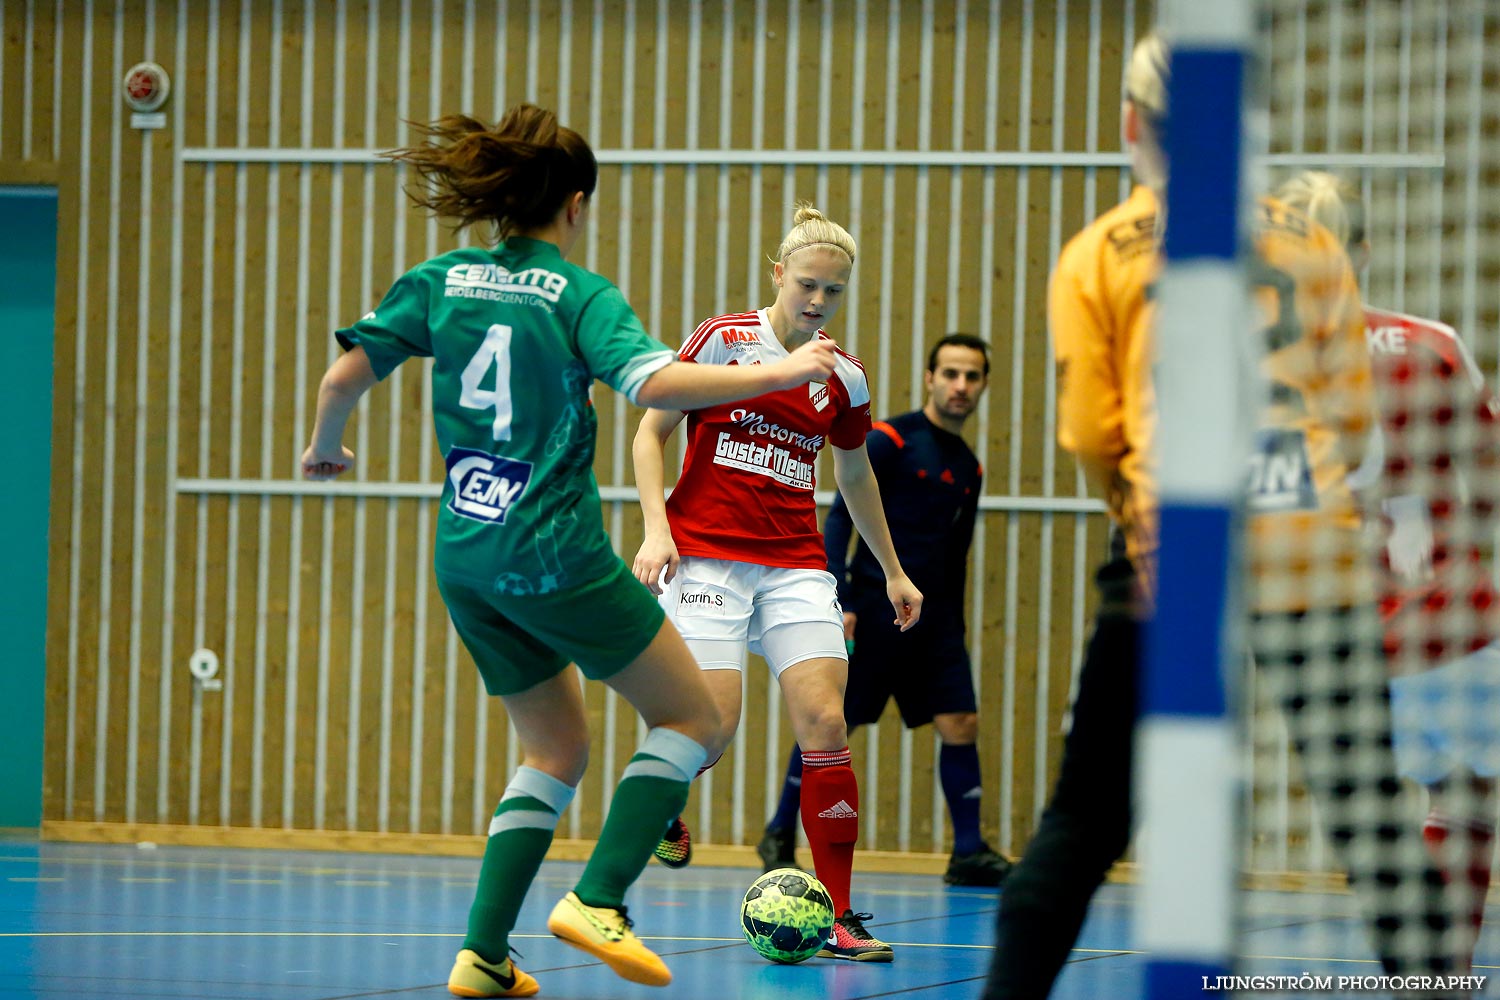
929 485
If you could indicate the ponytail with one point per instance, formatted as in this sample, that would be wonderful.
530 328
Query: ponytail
516 175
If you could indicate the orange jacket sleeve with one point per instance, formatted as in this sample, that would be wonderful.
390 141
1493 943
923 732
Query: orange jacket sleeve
1090 400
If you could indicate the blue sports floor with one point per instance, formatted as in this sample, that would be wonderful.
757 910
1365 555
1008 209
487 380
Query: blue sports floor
113 921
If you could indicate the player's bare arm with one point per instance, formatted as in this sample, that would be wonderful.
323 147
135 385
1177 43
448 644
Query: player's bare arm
657 552
347 379
685 386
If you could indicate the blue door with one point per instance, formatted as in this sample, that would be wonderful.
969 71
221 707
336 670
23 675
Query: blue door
28 287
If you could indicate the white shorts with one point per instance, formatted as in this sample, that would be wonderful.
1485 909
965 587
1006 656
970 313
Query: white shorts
786 615
1449 717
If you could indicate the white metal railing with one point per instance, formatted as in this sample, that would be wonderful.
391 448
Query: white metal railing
656 157
609 494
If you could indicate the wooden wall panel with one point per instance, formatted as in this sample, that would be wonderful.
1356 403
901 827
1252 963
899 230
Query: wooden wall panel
196 301
13 77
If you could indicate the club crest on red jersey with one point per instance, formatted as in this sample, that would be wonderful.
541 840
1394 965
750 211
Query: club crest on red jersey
817 392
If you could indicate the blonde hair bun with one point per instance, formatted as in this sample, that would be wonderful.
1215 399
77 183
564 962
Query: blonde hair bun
811 227
806 213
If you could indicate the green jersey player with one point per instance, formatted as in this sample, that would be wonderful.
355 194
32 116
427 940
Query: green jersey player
517 335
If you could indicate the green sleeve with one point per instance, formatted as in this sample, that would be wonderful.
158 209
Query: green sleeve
396 330
617 349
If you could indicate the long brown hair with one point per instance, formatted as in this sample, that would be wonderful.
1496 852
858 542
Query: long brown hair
516 175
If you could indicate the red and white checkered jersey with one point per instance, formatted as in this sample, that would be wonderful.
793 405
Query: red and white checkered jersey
1440 440
746 491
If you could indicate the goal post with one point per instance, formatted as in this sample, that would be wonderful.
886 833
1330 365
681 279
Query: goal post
1187 740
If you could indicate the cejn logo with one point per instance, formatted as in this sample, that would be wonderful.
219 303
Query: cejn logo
485 486
1280 472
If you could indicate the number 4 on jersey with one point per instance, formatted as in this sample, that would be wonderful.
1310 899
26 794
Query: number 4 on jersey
494 352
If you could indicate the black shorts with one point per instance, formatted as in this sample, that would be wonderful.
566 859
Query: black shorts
926 669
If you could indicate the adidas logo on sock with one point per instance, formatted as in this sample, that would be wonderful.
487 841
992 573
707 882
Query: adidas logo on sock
839 810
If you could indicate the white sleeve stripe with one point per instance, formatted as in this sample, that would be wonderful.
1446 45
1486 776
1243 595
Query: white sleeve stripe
1435 325
1471 367
849 357
645 366
695 342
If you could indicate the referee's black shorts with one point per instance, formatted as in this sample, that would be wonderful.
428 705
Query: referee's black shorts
926 669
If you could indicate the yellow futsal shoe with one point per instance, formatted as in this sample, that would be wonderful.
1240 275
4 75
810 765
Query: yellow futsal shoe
472 976
605 933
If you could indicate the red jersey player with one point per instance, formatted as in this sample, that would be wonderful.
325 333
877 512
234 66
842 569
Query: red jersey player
737 556
1434 472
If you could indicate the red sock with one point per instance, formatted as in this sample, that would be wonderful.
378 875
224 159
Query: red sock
830 815
1462 847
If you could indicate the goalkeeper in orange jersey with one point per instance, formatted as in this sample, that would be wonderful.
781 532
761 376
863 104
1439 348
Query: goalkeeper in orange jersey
1308 587
1433 479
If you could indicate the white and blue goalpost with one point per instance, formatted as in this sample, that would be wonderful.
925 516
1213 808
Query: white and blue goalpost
1188 737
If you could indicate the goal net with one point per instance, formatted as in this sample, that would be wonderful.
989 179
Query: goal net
1371 701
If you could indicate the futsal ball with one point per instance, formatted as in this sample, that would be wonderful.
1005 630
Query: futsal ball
787 915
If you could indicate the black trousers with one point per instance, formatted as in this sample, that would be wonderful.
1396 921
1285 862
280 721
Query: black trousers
1086 826
1331 689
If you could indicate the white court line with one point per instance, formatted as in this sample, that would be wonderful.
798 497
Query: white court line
452 934
645 937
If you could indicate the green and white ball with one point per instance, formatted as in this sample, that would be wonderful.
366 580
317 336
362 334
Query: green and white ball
787 915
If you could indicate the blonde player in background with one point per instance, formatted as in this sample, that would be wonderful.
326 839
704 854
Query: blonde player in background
1434 479
930 482
737 555
1307 582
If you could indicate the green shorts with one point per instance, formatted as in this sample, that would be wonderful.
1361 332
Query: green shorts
520 641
